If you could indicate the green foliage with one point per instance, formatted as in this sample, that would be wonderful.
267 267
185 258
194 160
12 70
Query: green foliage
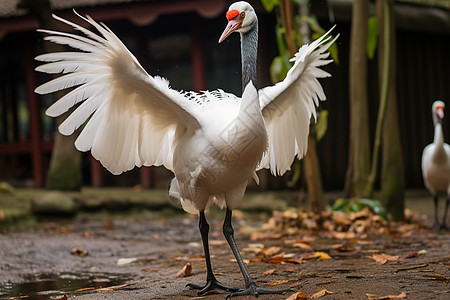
318 31
269 5
372 37
349 205
322 124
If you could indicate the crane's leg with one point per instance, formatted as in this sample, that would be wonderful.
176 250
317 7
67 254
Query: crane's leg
250 286
444 219
436 212
211 281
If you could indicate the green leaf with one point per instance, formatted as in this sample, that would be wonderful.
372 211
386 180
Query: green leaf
269 5
372 37
349 205
279 33
314 24
322 124
279 68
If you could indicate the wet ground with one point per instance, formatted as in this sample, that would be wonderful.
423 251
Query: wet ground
127 257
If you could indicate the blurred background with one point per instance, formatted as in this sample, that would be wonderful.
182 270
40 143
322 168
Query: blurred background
178 40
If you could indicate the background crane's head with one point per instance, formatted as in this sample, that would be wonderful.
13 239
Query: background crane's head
241 17
438 111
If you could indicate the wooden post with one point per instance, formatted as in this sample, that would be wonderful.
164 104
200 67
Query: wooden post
35 118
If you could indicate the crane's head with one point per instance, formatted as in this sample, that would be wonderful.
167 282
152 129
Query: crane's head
241 17
438 112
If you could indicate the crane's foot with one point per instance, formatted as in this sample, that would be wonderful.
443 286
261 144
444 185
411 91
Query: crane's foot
253 289
211 285
436 226
443 226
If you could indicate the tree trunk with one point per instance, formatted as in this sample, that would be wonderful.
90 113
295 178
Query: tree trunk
359 144
65 164
311 160
392 171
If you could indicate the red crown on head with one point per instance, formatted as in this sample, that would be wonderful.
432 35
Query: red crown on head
232 14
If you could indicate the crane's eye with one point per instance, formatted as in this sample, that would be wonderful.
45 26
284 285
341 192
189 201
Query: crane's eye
242 14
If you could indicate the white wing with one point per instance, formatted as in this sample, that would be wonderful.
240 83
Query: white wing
135 119
288 106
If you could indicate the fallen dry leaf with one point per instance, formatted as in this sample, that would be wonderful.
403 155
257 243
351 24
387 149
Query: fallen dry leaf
345 248
326 282
438 277
388 297
85 289
257 259
149 270
410 255
302 245
277 282
296 284
79 251
270 251
383 258
269 272
322 255
320 294
297 296
185 271
126 260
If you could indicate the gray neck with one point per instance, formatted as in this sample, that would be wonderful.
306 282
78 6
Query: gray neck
249 53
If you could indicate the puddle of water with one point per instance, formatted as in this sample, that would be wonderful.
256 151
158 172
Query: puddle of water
55 286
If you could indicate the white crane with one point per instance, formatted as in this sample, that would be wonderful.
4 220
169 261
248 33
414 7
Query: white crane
436 164
213 142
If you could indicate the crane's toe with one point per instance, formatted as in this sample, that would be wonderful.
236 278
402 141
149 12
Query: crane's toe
211 285
253 289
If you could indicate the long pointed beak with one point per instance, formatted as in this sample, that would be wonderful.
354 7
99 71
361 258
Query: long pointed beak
232 26
440 112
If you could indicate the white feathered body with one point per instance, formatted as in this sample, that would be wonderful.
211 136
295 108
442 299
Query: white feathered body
216 161
436 164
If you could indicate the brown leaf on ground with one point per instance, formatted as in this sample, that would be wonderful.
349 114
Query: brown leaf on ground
149 270
79 251
438 277
322 255
345 248
321 294
188 258
383 258
297 296
269 272
270 251
277 282
185 271
85 289
402 295
327 282
410 255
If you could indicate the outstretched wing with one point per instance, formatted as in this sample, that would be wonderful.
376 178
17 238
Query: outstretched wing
288 106
134 118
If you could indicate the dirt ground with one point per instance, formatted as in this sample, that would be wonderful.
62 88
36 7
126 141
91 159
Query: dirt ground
86 259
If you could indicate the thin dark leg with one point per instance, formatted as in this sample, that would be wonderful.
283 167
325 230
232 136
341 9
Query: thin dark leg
211 281
250 286
444 225
436 212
